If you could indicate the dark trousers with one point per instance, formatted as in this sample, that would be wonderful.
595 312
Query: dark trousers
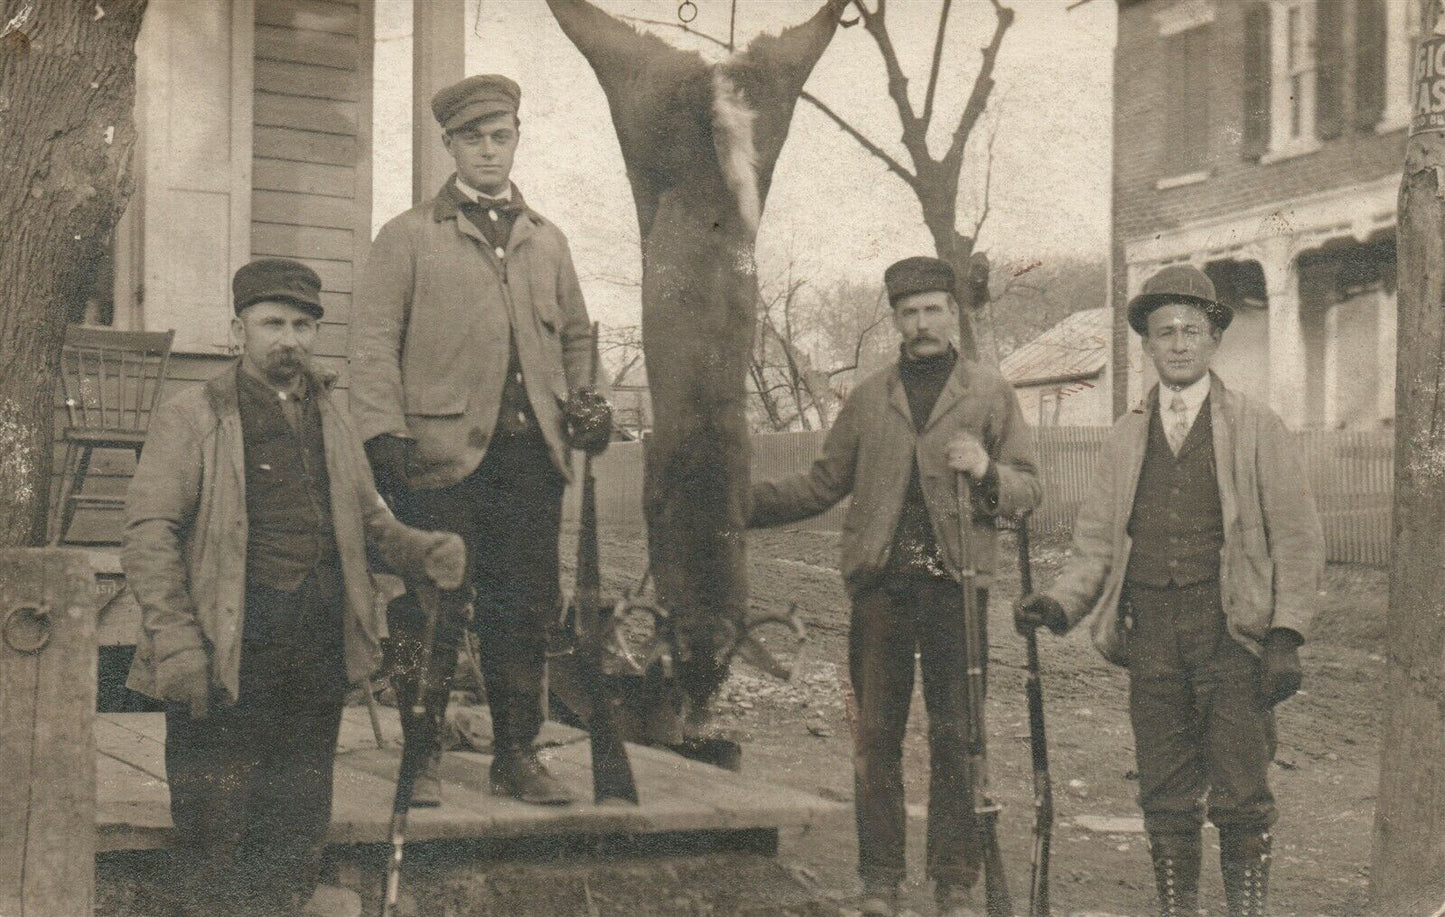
251 783
1201 729
891 621
509 513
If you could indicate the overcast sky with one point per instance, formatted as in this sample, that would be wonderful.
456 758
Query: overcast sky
834 211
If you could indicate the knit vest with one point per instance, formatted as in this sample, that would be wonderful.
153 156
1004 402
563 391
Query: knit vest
1178 524
288 490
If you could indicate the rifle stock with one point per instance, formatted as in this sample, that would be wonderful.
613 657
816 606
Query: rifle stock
997 900
1038 746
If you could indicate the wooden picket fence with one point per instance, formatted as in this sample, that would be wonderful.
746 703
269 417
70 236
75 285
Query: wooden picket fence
1350 474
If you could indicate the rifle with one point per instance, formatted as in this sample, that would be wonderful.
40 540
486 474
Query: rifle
413 754
996 894
1038 744
611 771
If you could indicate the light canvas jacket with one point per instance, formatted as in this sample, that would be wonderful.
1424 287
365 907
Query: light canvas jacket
1274 550
428 349
184 550
870 452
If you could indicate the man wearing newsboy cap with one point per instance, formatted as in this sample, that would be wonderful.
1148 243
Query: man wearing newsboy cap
469 354
248 523
1198 552
896 446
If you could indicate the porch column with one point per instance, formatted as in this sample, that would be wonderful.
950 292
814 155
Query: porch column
1385 349
439 32
1286 339
1140 371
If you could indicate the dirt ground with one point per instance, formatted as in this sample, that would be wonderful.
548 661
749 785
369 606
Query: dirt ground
796 734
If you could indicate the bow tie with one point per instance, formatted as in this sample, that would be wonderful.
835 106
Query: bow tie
505 205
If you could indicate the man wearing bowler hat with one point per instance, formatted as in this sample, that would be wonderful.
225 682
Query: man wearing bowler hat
469 354
248 524
1199 553
896 446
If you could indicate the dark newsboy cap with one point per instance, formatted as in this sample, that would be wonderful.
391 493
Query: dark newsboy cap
919 274
1178 283
475 97
277 280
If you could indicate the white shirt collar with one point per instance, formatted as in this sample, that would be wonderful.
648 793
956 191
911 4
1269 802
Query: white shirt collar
475 195
1193 396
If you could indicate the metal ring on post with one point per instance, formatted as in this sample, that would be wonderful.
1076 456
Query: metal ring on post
690 16
39 617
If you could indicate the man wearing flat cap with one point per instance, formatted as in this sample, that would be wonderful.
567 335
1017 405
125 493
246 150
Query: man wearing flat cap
469 355
248 524
896 446
1199 554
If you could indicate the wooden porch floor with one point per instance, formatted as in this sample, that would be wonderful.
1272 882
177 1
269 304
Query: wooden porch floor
678 795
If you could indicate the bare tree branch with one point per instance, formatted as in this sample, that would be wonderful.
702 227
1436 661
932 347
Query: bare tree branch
982 87
893 165
937 61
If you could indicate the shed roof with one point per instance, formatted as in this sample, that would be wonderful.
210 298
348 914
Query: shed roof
1076 348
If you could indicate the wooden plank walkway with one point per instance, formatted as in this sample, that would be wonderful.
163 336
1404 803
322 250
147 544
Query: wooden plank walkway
678 795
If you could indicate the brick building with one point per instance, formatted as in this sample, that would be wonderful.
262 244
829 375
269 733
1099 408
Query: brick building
1262 140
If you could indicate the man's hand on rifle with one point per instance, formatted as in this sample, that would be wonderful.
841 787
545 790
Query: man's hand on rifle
388 455
1040 610
446 562
587 418
185 678
1280 674
966 453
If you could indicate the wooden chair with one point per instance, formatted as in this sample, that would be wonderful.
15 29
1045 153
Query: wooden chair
112 381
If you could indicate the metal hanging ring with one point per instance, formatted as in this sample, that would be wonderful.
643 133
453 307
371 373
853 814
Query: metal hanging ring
687 11
27 639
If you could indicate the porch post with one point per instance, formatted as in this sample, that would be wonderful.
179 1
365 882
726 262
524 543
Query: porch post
438 60
1286 338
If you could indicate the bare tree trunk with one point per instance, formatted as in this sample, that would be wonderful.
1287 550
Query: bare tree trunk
700 143
67 86
1407 873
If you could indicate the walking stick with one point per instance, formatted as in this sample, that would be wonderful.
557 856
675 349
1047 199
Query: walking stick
996 894
1038 744
412 753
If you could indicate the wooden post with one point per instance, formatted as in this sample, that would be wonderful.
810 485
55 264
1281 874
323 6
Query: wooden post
438 59
47 739
1407 870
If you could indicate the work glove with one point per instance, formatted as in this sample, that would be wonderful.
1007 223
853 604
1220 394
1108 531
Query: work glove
446 563
1040 610
587 420
388 454
185 678
1280 674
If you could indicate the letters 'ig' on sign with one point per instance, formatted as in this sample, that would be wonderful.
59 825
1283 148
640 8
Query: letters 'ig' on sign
1428 107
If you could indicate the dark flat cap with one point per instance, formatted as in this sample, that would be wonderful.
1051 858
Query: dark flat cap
277 280
1178 283
475 97
919 274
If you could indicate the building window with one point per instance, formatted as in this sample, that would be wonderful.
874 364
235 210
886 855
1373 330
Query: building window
1188 46
1292 79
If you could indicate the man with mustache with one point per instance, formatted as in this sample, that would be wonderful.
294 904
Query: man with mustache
1199 552
248 523
896 446
469 355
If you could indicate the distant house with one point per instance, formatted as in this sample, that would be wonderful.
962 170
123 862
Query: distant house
1262 140
1062 377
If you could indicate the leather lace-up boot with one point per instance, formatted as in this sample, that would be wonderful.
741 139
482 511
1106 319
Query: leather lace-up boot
1244 861
1176 873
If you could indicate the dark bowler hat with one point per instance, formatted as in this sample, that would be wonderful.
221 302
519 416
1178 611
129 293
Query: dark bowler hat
277 280
1178 283
919 274
475 97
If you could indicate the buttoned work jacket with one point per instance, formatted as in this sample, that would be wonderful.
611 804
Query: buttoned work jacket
870 452
184 550
429 350
1274 549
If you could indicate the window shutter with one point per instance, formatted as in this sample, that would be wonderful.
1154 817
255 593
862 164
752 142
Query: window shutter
1329 68
1370 34
1186 142
1255 140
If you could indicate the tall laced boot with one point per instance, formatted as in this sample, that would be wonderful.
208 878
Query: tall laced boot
1176 873
426 790
1244 861
516 769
